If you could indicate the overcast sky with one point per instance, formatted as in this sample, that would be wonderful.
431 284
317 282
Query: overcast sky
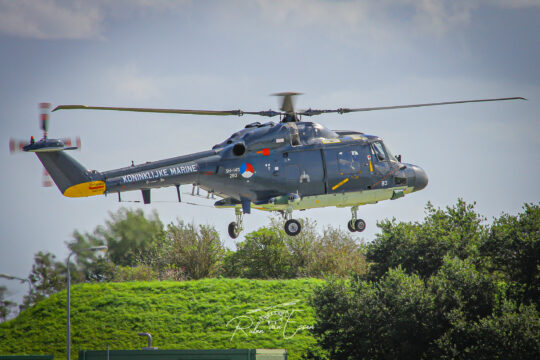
233 54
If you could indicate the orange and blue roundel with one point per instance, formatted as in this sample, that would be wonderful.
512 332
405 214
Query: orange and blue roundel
247 170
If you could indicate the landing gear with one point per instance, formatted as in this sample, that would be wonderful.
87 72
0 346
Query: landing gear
356 224
234 231
292 227
360 225
236 226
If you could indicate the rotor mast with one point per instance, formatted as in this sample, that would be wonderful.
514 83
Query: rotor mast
287 106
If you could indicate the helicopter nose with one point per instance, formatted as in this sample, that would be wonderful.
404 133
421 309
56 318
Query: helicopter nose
421 179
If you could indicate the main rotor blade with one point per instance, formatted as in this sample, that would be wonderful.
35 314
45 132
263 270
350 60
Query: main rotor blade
151 110
311 112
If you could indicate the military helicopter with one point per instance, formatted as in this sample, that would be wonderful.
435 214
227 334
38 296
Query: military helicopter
285 166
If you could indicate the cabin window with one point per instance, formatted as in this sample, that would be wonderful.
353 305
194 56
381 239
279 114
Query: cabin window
348 161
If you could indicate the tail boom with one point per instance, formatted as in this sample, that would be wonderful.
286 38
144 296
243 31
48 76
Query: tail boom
71 178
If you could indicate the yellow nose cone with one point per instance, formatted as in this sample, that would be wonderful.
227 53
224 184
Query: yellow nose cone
86 189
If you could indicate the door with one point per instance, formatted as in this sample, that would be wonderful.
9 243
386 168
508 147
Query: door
348 169
305 173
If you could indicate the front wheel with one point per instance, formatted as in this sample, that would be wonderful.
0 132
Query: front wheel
351 227
292 227
233 230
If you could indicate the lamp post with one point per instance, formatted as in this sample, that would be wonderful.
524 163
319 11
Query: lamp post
22 280
95 248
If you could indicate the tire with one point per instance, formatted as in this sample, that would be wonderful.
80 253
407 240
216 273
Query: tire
360 225
233 230
292 227
351 227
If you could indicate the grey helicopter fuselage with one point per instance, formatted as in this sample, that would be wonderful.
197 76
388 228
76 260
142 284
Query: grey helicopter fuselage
274 166
266 166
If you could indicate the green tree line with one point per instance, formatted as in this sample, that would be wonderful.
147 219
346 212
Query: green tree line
141 248
450 287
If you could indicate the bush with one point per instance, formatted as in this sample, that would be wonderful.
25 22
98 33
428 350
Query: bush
195 253
270 253
134 273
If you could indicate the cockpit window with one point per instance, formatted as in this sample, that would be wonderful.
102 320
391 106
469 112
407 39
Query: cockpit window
381 151
391 157
310 131
378 150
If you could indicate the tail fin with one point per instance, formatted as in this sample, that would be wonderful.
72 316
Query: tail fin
71 178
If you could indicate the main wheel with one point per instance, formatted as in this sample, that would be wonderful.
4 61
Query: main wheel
360 225
292 227
351 227
233 230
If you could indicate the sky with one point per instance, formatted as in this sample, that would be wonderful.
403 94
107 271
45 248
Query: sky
233 55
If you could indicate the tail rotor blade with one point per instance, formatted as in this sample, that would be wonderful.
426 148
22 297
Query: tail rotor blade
44 117
16 146
46 179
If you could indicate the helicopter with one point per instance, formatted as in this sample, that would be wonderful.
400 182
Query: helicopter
280 166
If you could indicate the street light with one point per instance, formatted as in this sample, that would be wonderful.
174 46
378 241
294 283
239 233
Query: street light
22 280
94 248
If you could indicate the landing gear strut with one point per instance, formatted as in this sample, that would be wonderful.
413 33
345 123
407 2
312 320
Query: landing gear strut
356 224
236 227
292 227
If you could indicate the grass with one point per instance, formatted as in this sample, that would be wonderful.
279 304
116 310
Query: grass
203 314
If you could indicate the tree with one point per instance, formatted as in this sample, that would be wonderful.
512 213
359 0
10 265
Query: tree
271 253
452 297
421 247
336 253
299 247
459 285
513 245
510 332
391 319
6 306
262 255
129 234
198 253
131 238
48 276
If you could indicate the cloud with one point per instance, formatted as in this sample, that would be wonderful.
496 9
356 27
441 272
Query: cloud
381 17
50 19
64 19
381 20
129 83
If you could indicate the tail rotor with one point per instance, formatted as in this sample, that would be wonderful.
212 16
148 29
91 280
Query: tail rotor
71 143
